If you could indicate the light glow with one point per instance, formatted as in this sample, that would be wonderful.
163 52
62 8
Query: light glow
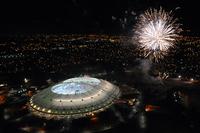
71 88
155 32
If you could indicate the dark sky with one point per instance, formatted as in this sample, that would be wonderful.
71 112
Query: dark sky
90 16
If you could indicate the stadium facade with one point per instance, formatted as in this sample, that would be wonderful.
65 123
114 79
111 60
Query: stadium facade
74 98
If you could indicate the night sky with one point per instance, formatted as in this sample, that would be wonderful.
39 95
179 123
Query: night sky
89 16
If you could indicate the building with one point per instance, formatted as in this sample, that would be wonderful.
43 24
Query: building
74 98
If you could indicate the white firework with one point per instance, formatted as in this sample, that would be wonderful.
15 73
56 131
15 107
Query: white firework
156 31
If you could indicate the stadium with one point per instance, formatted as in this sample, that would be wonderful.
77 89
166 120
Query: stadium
74 98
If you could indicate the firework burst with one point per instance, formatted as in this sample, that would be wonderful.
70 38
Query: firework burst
155 32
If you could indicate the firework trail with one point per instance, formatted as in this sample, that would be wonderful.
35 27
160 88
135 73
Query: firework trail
156 31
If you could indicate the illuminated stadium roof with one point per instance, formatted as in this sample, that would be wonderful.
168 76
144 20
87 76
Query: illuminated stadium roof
75 86
74 98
